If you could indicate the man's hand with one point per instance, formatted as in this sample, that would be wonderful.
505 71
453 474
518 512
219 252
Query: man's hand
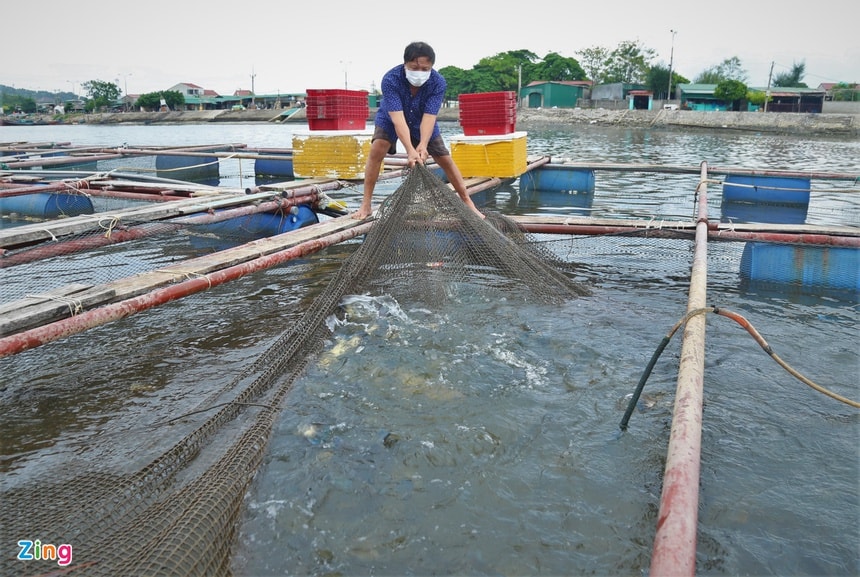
413 157
423 155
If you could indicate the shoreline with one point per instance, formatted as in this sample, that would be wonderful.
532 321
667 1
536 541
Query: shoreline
823 124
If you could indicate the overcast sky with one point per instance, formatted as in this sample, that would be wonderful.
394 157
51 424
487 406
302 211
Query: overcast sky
290 46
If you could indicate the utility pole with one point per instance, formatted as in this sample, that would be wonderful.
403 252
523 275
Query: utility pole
126 102
767 93
671 58
253 75
519 82
346 73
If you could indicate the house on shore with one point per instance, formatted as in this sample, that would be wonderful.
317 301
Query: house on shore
782 99
561 94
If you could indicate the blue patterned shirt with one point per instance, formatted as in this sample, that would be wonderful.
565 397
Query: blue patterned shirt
396 95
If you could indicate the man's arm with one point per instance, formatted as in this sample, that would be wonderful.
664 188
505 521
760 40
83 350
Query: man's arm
428 123
404 136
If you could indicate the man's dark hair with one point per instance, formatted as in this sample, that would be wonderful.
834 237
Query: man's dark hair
417 50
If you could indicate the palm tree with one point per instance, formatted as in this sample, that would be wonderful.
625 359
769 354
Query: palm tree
793 78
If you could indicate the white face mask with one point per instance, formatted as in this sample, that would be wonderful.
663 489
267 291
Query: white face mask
417 77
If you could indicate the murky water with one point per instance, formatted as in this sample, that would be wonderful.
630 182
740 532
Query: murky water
482 438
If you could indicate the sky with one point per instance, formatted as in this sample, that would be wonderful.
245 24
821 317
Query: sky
289 47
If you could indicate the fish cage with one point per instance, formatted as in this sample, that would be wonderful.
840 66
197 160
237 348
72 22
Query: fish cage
340 289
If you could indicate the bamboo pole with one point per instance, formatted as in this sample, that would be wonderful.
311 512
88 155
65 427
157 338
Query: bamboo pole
674 551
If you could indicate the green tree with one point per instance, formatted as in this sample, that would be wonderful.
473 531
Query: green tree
793 78
17 103
595 62
756 97
175 99
732 92
152 100
492 74
458 81
629 63
657 80
728 69
555 68
844 91
149 101
101 94
501 72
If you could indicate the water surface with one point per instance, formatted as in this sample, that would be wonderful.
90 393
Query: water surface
481 437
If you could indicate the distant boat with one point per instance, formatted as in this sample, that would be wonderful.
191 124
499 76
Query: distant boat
25 121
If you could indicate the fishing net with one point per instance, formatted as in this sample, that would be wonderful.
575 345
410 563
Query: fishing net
175 511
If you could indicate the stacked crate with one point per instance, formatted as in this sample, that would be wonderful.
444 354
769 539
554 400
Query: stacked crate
490 146
337 144
337 109
340 154
488 113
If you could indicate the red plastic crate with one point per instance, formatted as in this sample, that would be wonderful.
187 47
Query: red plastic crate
492 116
337 123
337 109
494 97
328 97
488 113
488 129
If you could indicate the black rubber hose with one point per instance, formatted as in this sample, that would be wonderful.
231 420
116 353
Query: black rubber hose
635 398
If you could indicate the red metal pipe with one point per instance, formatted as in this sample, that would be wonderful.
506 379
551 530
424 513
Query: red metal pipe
117 235
149 195
60 160
593 229
539 162
713 234
92 318
50 187
663 168
802 238
674 552
271 206
132 233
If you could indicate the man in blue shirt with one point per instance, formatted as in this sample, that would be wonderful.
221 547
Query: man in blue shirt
412 95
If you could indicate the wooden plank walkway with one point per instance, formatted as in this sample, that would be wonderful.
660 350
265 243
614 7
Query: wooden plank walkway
38 309
42 231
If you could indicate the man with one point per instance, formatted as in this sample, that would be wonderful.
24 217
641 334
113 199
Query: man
412 96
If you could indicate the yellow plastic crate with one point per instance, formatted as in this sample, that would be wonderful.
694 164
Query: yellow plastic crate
500 155
338 154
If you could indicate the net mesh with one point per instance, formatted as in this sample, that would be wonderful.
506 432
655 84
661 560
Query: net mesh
177 514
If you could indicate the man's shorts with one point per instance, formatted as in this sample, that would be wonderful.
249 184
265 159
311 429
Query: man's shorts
436 146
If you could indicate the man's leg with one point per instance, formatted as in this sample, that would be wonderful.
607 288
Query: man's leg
456 179
378 149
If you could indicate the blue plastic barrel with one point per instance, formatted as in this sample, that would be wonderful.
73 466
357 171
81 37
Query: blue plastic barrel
557 178
769 213
559 199
46 205
263 224
766 189
834 267
199 169
273 167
